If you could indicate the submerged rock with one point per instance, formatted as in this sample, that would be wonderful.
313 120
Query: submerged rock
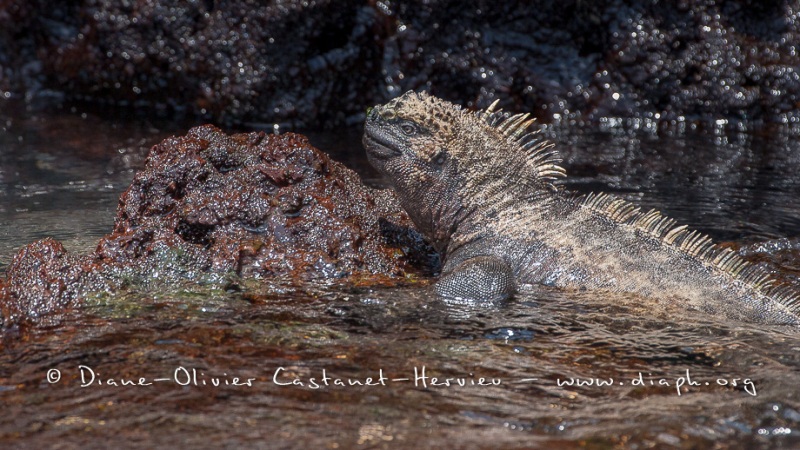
209 205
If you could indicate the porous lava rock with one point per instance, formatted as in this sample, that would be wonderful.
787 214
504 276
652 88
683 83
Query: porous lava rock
260 204
247 205
322 62
43 277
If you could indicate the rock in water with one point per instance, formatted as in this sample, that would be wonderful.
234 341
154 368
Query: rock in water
251 205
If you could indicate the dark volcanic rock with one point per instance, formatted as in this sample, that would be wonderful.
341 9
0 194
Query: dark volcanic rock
323 62
234 60
43 277
248 205
261 205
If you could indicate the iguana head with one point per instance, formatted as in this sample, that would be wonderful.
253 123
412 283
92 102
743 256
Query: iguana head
446 162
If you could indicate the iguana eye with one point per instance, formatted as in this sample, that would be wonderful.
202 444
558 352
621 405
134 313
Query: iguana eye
408 128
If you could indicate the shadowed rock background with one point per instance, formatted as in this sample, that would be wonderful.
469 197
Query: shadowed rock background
317 64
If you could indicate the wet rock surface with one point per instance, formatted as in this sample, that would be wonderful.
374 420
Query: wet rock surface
323 62
44 277
208 206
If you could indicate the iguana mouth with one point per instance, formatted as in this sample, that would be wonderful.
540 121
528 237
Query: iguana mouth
379 146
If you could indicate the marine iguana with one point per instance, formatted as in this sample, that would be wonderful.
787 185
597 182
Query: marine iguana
480 187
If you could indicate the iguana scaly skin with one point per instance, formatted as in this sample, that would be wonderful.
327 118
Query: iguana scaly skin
481 188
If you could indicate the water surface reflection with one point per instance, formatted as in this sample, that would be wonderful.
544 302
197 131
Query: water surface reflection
213 365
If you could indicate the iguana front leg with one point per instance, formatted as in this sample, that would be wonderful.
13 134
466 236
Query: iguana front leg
481 279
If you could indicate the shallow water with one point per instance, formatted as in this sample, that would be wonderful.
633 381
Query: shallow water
63 178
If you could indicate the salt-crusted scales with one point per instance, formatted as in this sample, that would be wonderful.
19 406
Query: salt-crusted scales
480 186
